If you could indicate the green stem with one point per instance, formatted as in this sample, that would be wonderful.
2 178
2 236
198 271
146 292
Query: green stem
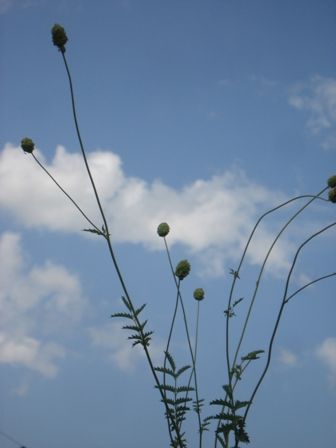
284 301
263 267
308 284
66 194
107 237
236 276
177 283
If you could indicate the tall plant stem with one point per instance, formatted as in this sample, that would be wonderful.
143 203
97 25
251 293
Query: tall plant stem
263 267
283 303
177 284
236 276
108 240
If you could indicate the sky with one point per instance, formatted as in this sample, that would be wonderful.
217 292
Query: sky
201 114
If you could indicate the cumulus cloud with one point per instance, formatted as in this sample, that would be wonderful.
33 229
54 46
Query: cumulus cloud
210 217
287 357
34 304
318 97
326 352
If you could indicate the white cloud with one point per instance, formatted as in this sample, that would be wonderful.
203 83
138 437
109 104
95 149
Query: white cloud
287 357
326 352
318 97
114 339
5 6
211 217
35 304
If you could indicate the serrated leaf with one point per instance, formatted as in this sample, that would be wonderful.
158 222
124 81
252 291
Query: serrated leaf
171 361
166 387
127 303
125 315
182 389
221 402
165 370
181 370
168 401
138 311
182 400
223 416
131 327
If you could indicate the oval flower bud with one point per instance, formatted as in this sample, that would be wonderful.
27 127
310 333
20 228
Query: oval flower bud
59 37
182 269
332 195
163 229
199 294
332 182
27 145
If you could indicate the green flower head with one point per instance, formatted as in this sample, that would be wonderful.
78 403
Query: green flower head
199 294
163 229
332 195
59 37
332 182
182 269
27 145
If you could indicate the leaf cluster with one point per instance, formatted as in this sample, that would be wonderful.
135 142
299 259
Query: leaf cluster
175 397
140 336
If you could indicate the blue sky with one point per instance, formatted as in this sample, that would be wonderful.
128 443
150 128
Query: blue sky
203 114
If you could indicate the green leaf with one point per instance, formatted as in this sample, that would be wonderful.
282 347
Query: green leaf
241 404
182 389
127 303
125 315
171 361
222 403
138 311
252 355
166 387
98 232
181 370
237 301
165 370
131 327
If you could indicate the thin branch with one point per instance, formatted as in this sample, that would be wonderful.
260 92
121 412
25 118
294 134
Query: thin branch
308 284
270 348
64 192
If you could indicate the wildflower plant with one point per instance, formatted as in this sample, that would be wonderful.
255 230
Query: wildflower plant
178 386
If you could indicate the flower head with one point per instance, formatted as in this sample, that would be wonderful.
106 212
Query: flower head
59 37
27 145
332 182
182 269
332 195
199 294
163 229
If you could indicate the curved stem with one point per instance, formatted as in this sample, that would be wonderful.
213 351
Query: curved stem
108 240
66 194
309 284
179 296
11 439
81 143
284 301
264 264
236 276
